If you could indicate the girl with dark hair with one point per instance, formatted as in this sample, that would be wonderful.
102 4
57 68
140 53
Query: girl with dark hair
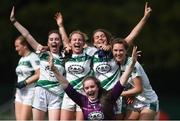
95 100
104 66
140 98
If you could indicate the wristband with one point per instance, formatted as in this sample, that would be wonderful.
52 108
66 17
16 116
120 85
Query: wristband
21 84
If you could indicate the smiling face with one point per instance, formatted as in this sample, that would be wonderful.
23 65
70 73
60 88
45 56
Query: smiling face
119 52
54 42
77 43
91 89
99 38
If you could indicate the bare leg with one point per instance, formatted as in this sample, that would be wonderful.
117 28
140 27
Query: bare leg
38 114
79 115
147 114
54 114
132 115
67 115
26 112
18 107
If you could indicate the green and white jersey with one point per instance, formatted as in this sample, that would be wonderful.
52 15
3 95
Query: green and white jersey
148 95
106 70
47 78
26 67
77 67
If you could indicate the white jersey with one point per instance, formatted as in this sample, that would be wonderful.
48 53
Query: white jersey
106 70
77 67
47 78
27 66
148 95
91 50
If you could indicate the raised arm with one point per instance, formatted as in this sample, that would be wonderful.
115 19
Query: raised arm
23 31
137 29
129 69
59 20
62 80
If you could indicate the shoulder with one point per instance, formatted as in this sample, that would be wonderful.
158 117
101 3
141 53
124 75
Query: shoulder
34 55
90 50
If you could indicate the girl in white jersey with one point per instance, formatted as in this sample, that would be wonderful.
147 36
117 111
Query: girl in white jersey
103 62
104 66
77 66
48 93
27 72
144 104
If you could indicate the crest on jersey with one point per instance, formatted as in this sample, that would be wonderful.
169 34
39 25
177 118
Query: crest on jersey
48 70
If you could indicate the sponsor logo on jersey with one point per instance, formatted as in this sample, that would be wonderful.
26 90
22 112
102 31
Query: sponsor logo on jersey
75 69
96 115
103 68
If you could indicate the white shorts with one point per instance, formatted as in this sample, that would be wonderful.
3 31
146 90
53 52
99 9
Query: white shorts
24 96
69 104
45 100
139 106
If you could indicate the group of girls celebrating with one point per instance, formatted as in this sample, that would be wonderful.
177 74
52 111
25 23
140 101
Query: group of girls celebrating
89 83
